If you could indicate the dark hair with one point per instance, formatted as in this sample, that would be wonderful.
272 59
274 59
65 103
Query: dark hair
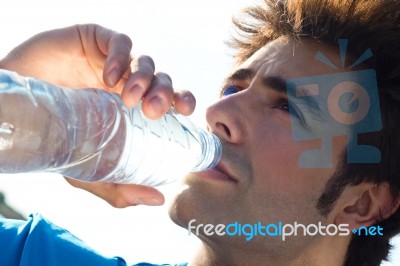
373 24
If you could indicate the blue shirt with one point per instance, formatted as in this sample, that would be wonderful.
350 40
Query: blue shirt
38 242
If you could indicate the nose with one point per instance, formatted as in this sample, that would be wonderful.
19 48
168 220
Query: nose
225 119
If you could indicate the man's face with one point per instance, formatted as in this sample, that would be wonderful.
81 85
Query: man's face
259 178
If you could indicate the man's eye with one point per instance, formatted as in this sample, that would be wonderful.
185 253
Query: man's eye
230 90
293 110
288 107
285 107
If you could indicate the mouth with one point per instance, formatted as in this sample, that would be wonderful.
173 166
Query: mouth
219 173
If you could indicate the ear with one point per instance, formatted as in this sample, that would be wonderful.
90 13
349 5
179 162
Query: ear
366 204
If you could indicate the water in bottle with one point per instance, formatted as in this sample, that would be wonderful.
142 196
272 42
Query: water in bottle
88 134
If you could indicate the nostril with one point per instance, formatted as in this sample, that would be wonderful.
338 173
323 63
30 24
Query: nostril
224 128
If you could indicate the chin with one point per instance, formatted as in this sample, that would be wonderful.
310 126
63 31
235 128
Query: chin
182 207
205 199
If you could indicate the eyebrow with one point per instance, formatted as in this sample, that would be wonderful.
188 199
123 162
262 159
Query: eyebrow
242 74
276 83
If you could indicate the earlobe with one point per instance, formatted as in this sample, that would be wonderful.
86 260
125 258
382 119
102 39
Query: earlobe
374 204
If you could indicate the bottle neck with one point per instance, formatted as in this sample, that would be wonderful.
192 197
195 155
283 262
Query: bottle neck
211 149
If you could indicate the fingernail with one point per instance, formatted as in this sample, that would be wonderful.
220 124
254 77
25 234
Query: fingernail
137 92
157 104
132 95
148 201
114 76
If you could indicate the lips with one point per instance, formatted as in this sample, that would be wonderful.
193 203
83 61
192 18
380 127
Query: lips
219 173
224 170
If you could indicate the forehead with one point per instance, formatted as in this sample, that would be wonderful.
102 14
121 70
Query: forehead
290 58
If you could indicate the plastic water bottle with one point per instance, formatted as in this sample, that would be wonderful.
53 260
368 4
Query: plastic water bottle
88 134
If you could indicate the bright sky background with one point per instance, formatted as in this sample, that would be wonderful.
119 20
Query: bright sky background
185 38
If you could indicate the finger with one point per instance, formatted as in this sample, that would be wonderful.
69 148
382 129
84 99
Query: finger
121 195
184 102
117 47
158 100
139 81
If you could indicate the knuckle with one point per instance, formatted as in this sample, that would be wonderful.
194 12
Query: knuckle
164 76
186 94
142 75
124 39
120 54
147 60
165 91
139 66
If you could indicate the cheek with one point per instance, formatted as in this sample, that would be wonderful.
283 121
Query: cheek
275 151
278 185
275 163
287 193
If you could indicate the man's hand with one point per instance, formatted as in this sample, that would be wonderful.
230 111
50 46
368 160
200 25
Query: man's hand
90 56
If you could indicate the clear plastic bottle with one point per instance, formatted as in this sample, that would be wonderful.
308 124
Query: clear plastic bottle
88 134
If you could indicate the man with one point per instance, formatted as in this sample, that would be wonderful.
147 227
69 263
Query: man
273 112
259 178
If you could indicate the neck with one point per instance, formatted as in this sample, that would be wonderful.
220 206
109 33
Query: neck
327 251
